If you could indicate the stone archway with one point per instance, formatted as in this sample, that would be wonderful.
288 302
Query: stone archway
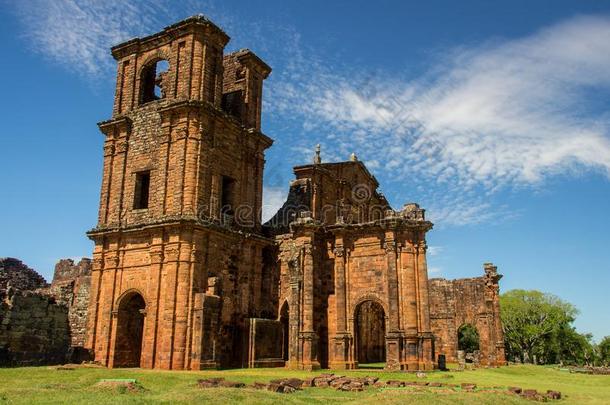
370 330
130 330
468 340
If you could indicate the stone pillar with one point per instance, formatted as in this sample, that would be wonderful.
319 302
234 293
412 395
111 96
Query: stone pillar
308 337
340 357
423 306
181 311
168 302
294 317
111 262
94 302
394 336
151 330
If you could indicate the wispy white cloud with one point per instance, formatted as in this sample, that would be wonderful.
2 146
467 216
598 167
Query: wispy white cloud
504 114
78 34
485 118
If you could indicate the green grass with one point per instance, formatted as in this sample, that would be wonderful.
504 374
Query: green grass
48 385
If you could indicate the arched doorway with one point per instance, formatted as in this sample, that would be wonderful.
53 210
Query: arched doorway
370 334
130 328
468 338
284 319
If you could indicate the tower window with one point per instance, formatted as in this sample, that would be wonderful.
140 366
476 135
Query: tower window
228 195
153 81
141 193
232 103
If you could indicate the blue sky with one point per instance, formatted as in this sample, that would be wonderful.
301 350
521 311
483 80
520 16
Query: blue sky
492 115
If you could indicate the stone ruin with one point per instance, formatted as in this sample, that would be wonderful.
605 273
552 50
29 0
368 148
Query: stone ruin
186 276
43 323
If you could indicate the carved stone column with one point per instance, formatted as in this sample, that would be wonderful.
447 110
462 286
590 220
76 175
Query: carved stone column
111 262
394 336
341 343
294 316
425 360
308 336
94 303
151 343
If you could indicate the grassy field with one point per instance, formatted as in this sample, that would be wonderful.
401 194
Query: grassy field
49 385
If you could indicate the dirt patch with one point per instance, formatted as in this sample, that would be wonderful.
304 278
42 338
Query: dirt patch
120 386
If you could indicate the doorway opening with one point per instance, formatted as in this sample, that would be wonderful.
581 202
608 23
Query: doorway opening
130 329
370 335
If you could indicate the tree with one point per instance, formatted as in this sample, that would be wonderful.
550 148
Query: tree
468 338
531 321
604 351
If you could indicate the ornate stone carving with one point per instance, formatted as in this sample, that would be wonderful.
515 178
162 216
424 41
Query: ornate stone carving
339 251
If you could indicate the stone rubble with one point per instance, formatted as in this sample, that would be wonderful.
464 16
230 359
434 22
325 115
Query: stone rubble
358 384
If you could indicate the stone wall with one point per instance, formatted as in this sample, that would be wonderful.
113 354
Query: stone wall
71 286
472 301
41 323
16 274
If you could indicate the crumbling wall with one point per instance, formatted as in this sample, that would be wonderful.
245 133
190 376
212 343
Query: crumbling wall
41 323
71 285
33 329
16 274
474 301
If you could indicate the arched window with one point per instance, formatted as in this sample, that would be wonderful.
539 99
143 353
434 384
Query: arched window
153 83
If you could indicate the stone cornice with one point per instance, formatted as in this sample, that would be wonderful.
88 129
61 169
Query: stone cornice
195 105
190 25
178 220
121 121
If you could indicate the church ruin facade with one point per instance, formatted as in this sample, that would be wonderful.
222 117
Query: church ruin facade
185 275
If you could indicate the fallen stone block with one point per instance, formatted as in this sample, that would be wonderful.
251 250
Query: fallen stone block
550 394
395 384
274 387
468 386
338 382
231 384
259 386
370 380
209 382
287 389
353 386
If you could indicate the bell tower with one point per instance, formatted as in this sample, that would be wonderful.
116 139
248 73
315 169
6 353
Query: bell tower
181 186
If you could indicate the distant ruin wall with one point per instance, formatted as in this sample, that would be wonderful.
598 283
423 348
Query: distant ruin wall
473 301
14 273
34 329
41 323
71 285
